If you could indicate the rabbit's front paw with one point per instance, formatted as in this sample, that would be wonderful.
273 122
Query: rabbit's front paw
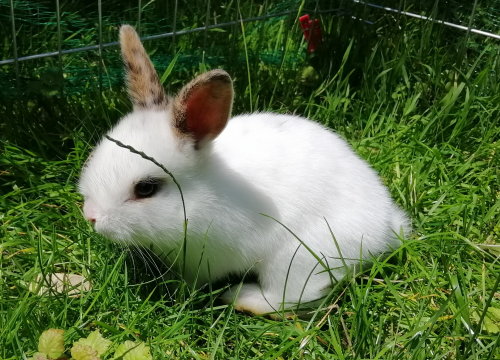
250 298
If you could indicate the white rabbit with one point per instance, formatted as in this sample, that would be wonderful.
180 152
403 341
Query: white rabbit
231 173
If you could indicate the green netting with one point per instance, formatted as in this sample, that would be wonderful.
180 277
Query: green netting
47 80
37 27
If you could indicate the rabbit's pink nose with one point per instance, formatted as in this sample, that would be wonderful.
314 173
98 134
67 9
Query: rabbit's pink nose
89 211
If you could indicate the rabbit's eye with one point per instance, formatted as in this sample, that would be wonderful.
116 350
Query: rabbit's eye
145 189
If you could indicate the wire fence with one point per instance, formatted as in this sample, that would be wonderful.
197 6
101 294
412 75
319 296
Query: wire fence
207 27
38 14
468 28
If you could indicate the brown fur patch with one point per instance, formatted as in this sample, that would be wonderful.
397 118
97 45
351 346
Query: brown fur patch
218 87
143 83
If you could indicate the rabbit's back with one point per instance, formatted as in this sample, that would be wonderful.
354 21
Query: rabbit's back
311 174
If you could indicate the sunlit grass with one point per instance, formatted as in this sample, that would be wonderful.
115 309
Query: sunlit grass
428 125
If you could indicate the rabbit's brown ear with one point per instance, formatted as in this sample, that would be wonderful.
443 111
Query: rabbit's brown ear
202 108
143 84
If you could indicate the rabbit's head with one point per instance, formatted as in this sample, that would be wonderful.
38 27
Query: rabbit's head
128 198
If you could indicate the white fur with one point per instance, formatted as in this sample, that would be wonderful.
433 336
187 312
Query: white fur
287 167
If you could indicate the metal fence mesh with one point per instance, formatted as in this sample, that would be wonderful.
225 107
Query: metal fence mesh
73 43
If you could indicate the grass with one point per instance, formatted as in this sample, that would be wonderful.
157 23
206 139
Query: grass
425 118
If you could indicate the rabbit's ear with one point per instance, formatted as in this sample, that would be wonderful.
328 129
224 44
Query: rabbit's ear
143 84
202 108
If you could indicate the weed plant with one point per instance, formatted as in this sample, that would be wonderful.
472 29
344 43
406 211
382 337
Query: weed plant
413 98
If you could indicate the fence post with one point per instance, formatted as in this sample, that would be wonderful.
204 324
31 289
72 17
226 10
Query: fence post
16 60
59 46
99 5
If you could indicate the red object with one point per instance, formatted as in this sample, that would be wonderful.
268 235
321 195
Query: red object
312 29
